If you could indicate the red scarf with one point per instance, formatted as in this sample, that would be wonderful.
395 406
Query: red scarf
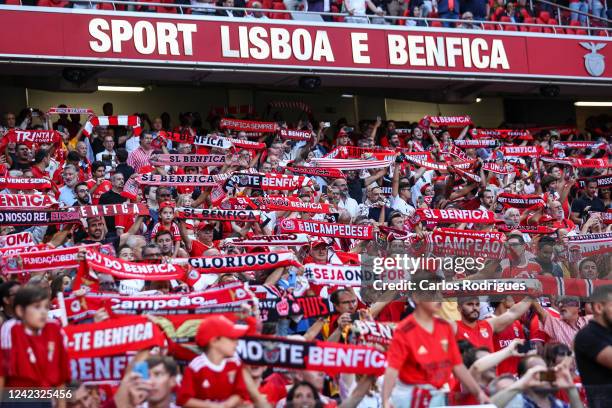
24 183
121 269
113 337
522 150
248 125
294 134
519 200
70 111
43 260
459 242
270 240
502 134
277 203
452 216
334 275
26 201
110 210
326 229
328 357
243 262
191 160
132 121
456 121
39 217
31 137
602 181
476 143
217 215
19 239
317 171
269 181
180 180
498 169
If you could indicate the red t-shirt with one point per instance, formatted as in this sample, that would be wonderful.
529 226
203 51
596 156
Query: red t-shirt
422 357
530 270
33 360
104 187
502 340
481 335
205 381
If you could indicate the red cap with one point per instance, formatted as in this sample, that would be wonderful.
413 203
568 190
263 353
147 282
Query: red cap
204 224
424 187
166 204
218 326
317 242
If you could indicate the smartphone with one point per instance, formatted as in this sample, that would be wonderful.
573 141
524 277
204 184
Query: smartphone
349 129
324 189
107 157
524 348
548 375
142 368
355 316
326 124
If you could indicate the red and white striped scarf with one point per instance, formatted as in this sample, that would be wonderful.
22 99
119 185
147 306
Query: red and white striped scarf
350 164
132 121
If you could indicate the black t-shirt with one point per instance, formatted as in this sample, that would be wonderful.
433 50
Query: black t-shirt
581 203
124 169
597 379
110 197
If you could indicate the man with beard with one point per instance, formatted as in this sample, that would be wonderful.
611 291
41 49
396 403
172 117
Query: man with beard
113 196
97 232
156 391
530 391
593 346
563 329
167 245
82 194
480 332
518 265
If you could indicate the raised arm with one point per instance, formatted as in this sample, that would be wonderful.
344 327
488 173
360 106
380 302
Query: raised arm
499 323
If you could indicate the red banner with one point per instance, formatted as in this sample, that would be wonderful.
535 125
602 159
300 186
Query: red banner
13 240
94 36
24 183
242 263
113 337
31 137
276 203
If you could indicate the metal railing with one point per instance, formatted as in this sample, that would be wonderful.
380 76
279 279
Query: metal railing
120 5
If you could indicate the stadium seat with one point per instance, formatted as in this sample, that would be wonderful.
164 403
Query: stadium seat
48 3
580 31
436 24
266 4
544 16
489 26
280 16
12 3
602 33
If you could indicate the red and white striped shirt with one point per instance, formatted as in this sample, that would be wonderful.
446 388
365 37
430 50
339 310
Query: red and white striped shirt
139 158
561 331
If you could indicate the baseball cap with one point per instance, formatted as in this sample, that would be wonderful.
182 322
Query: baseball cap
202 225
318 242
218 326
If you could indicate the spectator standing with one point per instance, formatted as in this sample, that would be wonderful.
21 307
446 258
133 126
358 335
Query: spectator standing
563 329
593 347
215 376
141 156
122 166
357 10
108 156
448 9
582 6
70 176
113 196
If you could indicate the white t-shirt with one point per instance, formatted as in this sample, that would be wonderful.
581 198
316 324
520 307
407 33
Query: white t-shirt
399 204
358 7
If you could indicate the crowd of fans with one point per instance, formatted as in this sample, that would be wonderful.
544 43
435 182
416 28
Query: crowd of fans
373 11
528 350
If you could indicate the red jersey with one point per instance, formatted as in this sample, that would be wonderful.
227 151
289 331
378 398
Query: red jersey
204 380
481 335
33 360
528 271
502 340
104 187
422 357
